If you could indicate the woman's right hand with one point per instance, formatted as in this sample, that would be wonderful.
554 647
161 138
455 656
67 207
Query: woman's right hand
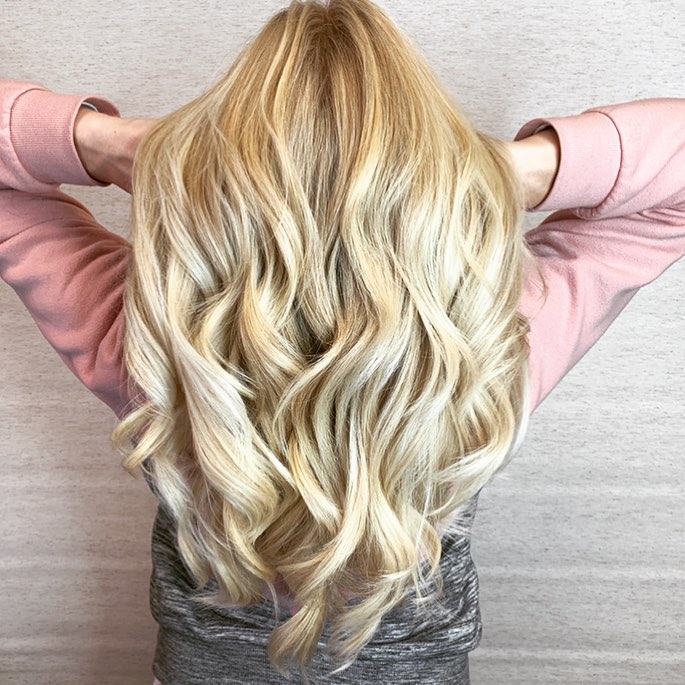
536 161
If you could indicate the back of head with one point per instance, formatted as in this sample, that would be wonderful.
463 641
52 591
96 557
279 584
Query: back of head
321 314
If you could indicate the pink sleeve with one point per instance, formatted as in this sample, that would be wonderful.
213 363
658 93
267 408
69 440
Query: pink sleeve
66 268
622 173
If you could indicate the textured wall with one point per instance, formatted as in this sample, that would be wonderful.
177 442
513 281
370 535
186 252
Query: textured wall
580 544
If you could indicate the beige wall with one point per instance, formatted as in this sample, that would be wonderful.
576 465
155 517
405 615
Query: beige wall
580 544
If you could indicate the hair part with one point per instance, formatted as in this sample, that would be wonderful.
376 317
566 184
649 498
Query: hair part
322 323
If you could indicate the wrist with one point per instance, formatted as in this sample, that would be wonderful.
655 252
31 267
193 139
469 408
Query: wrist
100 141
536 161
542 155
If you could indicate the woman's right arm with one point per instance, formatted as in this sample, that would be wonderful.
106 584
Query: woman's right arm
621 178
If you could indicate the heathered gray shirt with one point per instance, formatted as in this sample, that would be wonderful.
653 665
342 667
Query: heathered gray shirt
199 645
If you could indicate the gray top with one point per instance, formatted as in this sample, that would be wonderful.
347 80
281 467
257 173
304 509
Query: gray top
199 645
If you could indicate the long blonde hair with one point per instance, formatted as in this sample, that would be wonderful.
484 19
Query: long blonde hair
321 319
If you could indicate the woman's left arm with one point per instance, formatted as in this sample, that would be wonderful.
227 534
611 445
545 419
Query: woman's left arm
37 148
66 268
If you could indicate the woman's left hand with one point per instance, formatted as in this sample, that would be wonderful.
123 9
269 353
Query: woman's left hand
107 145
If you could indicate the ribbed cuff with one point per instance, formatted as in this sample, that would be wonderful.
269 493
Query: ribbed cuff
589 162
42 125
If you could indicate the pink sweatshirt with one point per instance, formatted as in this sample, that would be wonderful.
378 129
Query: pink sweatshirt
622 171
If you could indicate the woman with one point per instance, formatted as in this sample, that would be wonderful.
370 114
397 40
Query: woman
329 332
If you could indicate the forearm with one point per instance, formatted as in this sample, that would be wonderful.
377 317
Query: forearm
544 157
536 161
103 146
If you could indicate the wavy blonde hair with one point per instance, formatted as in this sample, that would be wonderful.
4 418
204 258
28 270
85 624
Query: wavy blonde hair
321 314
